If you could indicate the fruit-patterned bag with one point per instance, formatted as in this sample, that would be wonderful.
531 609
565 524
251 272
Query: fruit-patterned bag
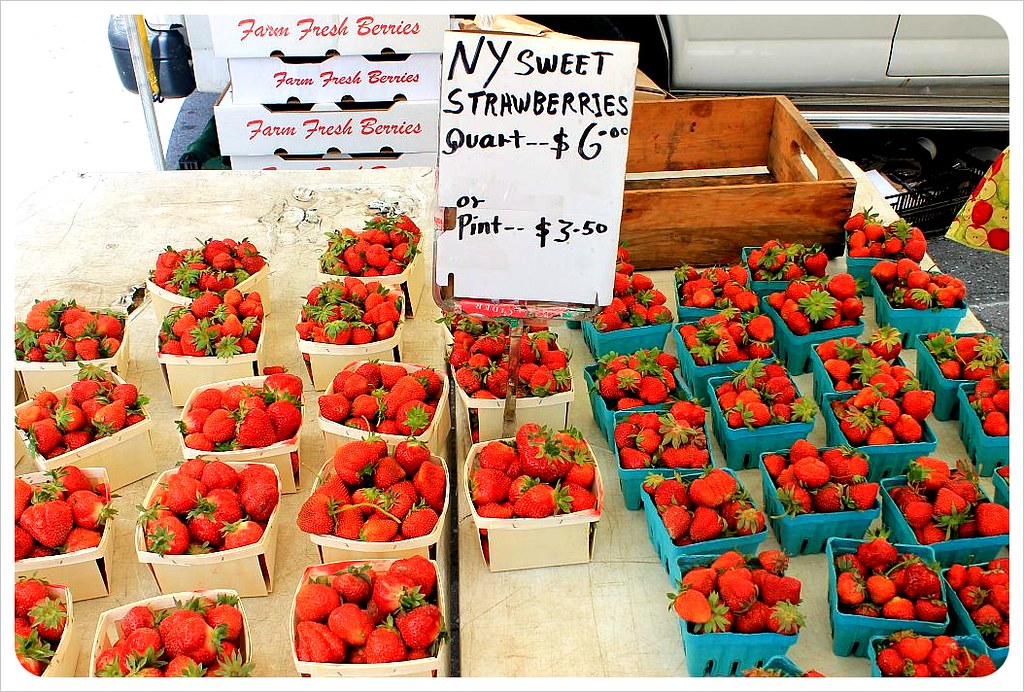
984 220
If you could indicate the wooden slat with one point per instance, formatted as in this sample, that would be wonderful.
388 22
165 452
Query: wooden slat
689 134
791 134
700 181
702 226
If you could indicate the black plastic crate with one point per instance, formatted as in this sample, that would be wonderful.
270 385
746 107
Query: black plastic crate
933 204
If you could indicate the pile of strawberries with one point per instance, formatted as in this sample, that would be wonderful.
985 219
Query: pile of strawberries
39 622
61 330
817 305
384 248
350 312
361 615
199 637
877 581
640 379
942 504
207 507
481 363
383 397
758 672
715 287
984 591
97 404
810 481
885 412
851 364
778 261
539 474
63 515
376 497
911 655
740 595
672 439
216 266
762 394
635 303
243 416
729 337
906 285
866 236
969 357
991 400
214 325
703 508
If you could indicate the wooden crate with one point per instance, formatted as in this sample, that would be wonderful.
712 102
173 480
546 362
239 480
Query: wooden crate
729 174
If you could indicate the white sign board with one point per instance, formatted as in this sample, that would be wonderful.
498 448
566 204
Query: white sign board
532 149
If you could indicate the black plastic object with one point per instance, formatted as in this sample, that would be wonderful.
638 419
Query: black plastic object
171 59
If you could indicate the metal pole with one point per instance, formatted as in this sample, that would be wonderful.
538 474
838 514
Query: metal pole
145 91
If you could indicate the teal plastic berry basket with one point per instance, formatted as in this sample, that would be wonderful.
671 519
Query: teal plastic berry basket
631 480
807 534
761 288
961 622
972 644
860 267
784 665
696 376
724 654
603 415
625 340
988 452
795 351
851 634
884 461
953 551
743 447
823 384
912 322
688 313
947 404
1002 490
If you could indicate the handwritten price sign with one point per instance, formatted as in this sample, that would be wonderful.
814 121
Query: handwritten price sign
534 134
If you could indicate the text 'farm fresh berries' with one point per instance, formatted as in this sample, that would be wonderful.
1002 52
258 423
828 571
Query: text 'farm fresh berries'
212 325
908 654
906 285
984 591
59 331
777 261
215 266
760 395
819 304
40 617
674 438
63 515
385 247
369 613
382 397
965 357
715 288
98 404
730 336
201 636
638 379
991 401
867 236
350 312
812 481
705 507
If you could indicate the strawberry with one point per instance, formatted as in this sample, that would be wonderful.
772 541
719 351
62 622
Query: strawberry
383 645
48 522
315 642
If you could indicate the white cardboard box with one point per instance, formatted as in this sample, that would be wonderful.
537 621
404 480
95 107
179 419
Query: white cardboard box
255 129
262 35
316 80
324 162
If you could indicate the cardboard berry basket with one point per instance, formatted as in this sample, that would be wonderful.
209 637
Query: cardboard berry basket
86 573
164 301
1001 490
696 376
962 624
249 569
432 546
108 627
284 455
670 554
604 415
851 633
952 551
823 384
521 543
432 666
884 461
928 374
65 654
552 411
127 455
743 447
435 436
912 322
795 351
183 374
988 452
728 654
34 377
631 480
410 281
323 361
761 288
973 644
627 340
806 534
